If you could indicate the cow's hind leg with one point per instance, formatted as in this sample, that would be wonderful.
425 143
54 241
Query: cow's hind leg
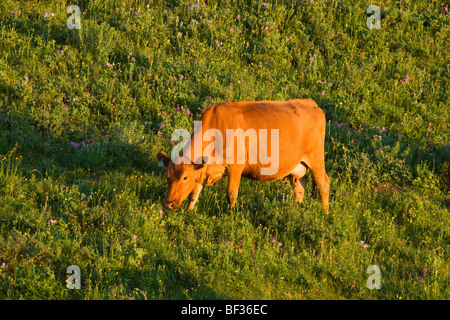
322 182
298 182
299 185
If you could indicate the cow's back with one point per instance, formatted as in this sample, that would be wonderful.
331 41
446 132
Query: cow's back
261 114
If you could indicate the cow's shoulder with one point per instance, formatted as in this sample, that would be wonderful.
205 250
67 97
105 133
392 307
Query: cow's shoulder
222 111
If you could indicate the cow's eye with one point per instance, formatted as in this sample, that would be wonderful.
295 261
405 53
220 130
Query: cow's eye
185 178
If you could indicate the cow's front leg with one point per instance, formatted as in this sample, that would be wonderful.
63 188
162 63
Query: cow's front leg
234 179
193 197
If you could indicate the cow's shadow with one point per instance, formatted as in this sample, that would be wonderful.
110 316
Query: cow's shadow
43 152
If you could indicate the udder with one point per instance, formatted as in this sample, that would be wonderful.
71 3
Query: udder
299 171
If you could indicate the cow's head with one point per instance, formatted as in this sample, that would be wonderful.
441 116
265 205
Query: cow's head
181 179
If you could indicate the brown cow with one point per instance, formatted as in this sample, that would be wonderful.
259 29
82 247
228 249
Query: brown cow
297 134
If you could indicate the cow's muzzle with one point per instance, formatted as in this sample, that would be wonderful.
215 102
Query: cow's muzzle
171 204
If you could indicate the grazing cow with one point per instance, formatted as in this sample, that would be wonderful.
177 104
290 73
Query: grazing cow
297 136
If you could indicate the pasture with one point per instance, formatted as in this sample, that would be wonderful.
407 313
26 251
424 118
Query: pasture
83 113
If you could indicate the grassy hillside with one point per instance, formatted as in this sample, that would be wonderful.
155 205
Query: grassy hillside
84 112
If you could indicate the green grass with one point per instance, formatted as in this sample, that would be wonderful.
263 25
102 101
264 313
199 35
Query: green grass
80 185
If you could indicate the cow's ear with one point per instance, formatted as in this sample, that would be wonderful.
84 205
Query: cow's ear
163 159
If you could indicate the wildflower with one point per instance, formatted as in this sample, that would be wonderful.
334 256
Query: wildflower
160 212
379 149
134 237
340 124
361 242
106 136
384 129
323 93
265 4
399 136
159 133
188 112
272 239
51 221
280 244
232 29
366 245
182 76
238 16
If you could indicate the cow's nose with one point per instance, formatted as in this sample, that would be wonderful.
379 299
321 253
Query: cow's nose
169 204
